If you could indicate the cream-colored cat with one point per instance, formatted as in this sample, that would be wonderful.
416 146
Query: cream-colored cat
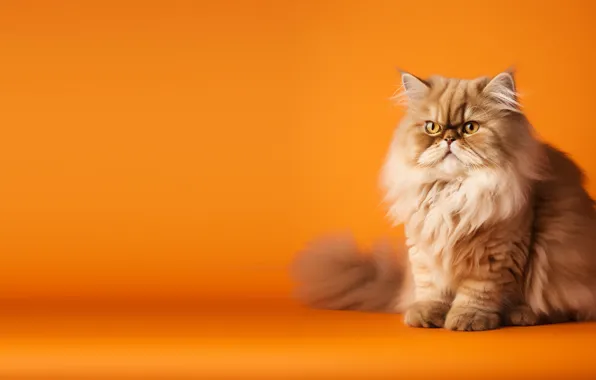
499 228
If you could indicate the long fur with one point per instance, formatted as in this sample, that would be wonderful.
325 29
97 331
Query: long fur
499 227
334 273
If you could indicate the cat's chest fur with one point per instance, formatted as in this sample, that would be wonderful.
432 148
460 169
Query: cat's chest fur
433 222
448 215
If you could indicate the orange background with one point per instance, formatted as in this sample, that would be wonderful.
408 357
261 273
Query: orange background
190 148
161 162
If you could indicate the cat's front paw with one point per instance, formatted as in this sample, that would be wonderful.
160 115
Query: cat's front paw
430 314
471 319
521 315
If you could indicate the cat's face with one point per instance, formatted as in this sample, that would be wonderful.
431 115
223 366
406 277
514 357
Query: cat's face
456 126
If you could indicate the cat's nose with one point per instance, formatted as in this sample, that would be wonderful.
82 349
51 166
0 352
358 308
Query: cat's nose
449 140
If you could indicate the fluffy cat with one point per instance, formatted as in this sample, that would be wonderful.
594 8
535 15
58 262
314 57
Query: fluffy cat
499 228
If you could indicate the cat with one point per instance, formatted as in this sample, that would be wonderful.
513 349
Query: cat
499 228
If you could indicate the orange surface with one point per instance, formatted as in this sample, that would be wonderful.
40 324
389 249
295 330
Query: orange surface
186 149
268 339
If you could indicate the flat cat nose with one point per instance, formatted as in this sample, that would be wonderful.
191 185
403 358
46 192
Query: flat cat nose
449 140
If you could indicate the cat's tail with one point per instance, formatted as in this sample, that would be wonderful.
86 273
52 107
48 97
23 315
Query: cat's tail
332 273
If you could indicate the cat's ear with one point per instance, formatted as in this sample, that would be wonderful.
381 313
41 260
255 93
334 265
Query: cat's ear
414 88
501 89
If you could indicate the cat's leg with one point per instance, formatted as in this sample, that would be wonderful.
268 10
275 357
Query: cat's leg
517 312
491 294
520 315
427 313
431 302
476 306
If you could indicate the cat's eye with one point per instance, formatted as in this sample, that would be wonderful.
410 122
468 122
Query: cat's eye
471 127
432 128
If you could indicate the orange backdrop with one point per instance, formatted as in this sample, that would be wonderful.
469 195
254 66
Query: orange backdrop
189 148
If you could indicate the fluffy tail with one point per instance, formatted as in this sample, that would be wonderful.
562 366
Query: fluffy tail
333 274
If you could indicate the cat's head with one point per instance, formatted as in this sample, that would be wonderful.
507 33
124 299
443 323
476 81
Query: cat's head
454 126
